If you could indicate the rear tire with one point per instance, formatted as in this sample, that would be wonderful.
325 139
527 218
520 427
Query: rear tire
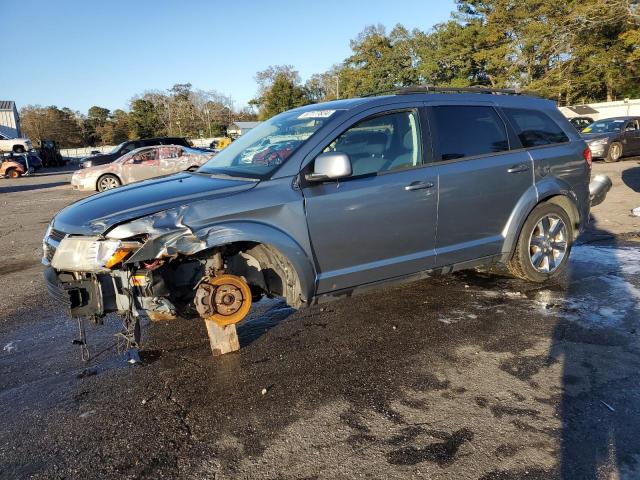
107 182
14 173
544 244
614 153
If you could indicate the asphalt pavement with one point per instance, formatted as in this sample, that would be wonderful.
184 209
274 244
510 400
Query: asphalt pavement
470 376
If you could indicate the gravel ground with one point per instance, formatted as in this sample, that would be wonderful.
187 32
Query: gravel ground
470 376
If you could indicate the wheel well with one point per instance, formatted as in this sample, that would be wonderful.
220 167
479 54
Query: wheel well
569 207
265 268
107 175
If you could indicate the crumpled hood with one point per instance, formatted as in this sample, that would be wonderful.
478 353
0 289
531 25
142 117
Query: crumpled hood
98 213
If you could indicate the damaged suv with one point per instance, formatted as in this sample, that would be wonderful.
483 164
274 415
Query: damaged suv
326 199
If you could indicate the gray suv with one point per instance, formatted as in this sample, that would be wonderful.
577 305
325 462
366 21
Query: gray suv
327 199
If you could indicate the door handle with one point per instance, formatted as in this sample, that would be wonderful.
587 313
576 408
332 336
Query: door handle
418 186
522 167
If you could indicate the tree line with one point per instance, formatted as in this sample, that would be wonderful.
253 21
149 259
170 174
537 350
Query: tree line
572 51
179 111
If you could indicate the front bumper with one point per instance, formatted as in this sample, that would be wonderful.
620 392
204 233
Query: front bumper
599 151
83 184
82 296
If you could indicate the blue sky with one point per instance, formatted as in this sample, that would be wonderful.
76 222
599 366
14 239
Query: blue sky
84 53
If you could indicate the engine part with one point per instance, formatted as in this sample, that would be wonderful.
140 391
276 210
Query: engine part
225 299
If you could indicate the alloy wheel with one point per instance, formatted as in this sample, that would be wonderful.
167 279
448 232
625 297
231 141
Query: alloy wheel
548 243
108 183
615 152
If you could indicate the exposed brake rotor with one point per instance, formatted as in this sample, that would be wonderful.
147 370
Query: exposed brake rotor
225 299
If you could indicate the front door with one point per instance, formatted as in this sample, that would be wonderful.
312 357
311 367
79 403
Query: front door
141 166
632 138
480 181
380 222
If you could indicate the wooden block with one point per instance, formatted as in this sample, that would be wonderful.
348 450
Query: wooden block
222 339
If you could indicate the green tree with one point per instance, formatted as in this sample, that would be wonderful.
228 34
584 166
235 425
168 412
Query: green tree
379 62
99 115
280 90
143 121
62 125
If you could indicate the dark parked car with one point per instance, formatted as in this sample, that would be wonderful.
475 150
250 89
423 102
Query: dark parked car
370 190
613 138
581 122
128 146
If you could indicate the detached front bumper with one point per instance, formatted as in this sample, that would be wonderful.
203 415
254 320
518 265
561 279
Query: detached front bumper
598 189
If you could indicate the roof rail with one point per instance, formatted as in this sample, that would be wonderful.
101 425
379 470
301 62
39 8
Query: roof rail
433 89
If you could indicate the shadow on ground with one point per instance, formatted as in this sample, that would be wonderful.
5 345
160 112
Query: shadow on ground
631 178
26 188
466 376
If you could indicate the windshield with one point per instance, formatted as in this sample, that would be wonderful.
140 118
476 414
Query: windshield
605 126
260 151
117 147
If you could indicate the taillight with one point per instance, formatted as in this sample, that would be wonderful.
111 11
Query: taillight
587 156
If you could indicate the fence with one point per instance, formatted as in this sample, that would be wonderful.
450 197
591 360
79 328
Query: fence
602 110
74 153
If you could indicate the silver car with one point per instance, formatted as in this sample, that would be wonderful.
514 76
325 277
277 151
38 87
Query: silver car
140 164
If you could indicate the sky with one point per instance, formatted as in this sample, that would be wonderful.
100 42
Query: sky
78 54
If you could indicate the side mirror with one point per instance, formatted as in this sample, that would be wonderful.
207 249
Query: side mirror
330 166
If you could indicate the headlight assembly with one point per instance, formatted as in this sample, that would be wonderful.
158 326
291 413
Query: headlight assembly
91 254
600 141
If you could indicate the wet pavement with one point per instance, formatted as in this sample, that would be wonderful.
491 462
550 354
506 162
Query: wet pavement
469 376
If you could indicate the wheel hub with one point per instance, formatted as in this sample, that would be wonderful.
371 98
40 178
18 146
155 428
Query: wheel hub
226 299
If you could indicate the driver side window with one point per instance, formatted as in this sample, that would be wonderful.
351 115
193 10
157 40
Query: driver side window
381 143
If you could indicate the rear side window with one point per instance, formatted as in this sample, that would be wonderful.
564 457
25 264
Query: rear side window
535 128
468 131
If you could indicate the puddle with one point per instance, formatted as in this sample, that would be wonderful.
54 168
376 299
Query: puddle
602 292
267 314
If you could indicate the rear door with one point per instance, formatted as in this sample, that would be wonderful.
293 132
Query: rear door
554 154
379 223
480 179
172 160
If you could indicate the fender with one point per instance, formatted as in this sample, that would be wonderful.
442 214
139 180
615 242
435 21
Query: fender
181 240
542 190
244 231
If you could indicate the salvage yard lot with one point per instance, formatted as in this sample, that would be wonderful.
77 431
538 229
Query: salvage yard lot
471 376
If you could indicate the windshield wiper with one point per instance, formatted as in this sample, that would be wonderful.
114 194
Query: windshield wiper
226 176
234 177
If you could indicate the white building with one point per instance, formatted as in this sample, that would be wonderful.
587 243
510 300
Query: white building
237 129
599 111
9 119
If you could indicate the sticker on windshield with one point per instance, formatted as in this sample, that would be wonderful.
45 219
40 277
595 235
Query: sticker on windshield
317 114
